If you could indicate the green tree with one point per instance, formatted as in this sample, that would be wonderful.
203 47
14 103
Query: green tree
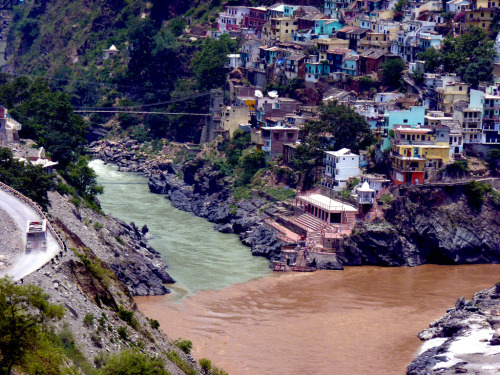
493 158
392 71
431 58
208 65
83 178
47 117
132 362
470 56
206 365
177 26
347 127
24 317
249 165
29 179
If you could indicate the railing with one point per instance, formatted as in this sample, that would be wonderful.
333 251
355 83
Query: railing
37 208
415 143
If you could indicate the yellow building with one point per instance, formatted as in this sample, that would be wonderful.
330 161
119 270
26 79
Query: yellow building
482 13
450 94
413 150
376 40
232 118
280 29
324 45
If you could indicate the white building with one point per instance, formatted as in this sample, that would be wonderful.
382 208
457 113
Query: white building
339 167
112 51
234 61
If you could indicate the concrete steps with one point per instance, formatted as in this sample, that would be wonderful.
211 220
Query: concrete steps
308 222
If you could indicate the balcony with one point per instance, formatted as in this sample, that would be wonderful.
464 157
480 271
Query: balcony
329 162
328 174
365 200
415 143
471 130
401 169
409 158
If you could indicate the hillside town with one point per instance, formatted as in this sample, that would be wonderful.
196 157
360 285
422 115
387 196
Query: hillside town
429 120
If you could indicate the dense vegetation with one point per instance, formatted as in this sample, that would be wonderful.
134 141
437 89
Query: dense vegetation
29 179
339 127
469 55
47 118
26 342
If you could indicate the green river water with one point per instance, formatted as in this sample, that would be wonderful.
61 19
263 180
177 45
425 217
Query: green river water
198 257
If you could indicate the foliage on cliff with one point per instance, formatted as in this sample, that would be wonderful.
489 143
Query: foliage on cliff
26 178
26 341
470 56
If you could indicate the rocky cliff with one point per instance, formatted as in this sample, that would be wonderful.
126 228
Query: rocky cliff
465 340
197 186
435 224
123 247
106 262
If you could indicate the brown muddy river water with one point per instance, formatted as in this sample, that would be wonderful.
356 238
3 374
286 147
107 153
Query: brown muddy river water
363 320
250 321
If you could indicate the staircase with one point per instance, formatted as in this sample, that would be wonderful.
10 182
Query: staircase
308 222
301 259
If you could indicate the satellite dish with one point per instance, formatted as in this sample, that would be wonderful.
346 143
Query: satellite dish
259 94
273 94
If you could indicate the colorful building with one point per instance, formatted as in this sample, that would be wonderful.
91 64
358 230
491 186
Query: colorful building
412 151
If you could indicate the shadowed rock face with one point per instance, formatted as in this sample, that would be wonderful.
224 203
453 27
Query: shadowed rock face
429 225
134 261
205 192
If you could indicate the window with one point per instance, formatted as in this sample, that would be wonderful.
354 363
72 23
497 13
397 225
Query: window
405 121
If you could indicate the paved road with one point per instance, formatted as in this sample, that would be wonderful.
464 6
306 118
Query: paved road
20 212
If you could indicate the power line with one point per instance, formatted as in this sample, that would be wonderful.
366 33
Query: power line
194 96
141 112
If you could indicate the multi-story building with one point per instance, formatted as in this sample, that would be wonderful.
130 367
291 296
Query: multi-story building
9 128
274 138
413 150
376 40
333 8
481 13
491 116
350 64
316 68
250 54
280 29
232 18
413 117
255 19
451 93
340 166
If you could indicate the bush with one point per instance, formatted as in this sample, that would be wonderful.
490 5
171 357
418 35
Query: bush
206 365
88 319
475 192
155 324
123 333
176 358
458 168
184 345
132 363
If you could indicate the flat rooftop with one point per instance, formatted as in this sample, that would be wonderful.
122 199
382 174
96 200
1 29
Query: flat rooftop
327 203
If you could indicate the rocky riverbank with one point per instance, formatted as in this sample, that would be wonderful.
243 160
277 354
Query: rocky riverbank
197 187
107 262
425 224
123 247
465 340
429 224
